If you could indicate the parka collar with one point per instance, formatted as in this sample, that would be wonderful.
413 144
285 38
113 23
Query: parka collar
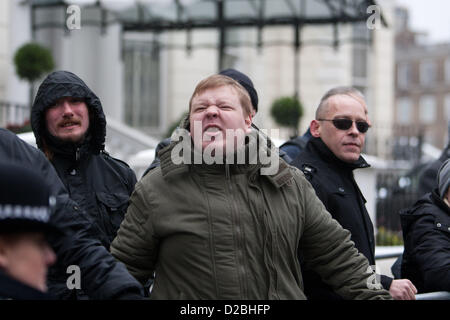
431 199
439 201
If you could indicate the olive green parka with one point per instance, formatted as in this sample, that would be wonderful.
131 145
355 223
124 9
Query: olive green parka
225 231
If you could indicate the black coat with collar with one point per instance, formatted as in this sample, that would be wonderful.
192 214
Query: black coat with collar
334 183
100 184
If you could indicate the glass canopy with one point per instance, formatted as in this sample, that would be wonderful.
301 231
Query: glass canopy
221 15
188 14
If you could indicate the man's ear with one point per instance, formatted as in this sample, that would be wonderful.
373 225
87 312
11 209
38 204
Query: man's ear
314 127
248 123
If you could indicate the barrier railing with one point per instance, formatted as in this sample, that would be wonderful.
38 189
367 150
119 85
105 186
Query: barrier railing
396 252
438 295
388 252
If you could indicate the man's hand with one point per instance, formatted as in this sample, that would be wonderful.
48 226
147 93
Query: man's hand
402 289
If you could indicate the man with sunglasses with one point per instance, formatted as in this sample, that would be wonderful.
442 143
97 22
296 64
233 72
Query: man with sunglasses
333 152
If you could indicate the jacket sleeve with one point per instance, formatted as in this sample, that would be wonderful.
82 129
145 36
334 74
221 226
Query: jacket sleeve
135 244
131 181
102 277
386 281
431 251
328 250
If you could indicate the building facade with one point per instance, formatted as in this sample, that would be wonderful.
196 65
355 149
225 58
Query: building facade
145 79
422 84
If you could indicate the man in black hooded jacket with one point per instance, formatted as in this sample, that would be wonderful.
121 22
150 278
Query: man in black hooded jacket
70 127
426 231
102 277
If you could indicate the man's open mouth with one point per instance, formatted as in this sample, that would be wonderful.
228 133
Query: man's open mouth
212 129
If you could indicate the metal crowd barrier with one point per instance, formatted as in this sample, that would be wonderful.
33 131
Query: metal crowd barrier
388 252
388 255
397 252
438 295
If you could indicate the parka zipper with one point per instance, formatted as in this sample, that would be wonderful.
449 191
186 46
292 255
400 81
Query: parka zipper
268 248
227 174
240 247
77 154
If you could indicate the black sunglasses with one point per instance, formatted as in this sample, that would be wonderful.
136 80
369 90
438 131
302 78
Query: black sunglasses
345 124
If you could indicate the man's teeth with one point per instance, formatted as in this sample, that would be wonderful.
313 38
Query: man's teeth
212 129
68 124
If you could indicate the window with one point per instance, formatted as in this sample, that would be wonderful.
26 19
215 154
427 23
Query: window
360 61
404 111
403 75
427 109
447 70
142 107
360 51
427 73
360 54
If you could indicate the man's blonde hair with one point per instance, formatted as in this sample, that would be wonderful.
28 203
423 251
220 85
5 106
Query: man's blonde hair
218 80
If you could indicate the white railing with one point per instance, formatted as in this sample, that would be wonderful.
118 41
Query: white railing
14 114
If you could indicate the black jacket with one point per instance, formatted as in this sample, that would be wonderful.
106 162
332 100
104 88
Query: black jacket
294 146
100 184
334 183
102 277
12 289
426 233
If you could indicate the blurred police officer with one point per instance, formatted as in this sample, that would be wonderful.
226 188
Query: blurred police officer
25 254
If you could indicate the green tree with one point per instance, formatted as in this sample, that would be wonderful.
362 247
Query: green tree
287 112
32 61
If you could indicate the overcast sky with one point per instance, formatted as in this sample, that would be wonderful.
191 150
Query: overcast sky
430 15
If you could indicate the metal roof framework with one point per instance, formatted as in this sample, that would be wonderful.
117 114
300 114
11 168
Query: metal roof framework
158 16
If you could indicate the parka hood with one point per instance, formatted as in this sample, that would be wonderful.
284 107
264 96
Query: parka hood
409 216
60 84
